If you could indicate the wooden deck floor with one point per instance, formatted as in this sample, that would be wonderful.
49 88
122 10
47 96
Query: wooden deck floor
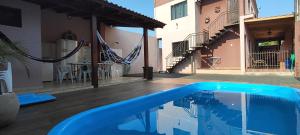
39 119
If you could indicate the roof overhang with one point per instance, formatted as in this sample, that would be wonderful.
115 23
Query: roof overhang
272 18
106 12
261 28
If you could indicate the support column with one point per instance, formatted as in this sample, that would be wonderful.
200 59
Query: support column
242 36
94 51
148 71
242 45
193 69
146 54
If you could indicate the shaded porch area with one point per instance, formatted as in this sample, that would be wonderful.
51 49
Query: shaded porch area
56 29
270 44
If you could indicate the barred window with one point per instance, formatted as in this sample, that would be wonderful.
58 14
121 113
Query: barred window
179 48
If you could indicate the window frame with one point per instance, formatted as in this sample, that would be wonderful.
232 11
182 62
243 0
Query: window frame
14 16
184 45
181 12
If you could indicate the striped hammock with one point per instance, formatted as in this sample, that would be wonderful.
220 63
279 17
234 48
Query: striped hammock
110 55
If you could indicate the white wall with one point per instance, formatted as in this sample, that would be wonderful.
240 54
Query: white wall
175 30
127 41
29 36
175 117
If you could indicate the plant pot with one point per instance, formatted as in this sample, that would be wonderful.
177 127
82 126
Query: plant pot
9 108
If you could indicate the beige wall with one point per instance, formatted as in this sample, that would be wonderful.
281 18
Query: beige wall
29 36
127 41
55 24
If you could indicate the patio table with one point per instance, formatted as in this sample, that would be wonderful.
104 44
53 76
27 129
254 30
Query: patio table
104 68
75 67
214 61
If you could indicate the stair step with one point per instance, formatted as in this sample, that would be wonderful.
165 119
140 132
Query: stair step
230 25
222 30
196 46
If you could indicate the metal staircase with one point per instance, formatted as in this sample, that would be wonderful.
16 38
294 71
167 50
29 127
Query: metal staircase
196 41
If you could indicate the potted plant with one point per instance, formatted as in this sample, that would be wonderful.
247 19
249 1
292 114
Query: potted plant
9 104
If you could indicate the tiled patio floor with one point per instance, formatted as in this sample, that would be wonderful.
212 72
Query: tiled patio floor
67 86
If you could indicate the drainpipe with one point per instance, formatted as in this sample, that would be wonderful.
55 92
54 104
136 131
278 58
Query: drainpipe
242 41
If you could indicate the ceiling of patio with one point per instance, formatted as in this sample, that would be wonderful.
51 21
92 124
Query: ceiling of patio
109 13
271 27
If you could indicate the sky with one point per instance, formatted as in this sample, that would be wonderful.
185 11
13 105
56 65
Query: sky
266 8
145 7
275 7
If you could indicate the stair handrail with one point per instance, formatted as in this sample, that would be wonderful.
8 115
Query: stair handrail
206 34
221 21
170 58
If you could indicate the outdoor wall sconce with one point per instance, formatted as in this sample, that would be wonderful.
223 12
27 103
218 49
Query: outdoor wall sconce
217 9
207 20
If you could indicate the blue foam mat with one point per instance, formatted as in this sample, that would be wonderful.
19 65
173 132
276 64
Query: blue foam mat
33 98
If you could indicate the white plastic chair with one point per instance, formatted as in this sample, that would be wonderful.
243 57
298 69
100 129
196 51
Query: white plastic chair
63 72
84 73
6 76
104 70
115 71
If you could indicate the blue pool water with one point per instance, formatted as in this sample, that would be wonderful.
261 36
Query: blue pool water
197 109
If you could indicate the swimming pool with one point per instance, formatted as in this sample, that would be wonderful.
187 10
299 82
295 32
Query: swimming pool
207 108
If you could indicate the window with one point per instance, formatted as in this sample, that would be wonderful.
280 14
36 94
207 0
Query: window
179 10
10 16
159 42
179 48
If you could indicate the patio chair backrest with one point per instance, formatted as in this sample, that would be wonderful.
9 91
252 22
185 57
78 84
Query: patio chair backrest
6 76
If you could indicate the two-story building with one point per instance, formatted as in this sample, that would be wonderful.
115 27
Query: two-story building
224 36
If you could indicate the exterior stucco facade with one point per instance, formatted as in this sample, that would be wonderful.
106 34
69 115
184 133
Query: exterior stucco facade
200 17
235 48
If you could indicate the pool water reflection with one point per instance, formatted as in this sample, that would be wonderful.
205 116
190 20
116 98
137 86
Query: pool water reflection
211 113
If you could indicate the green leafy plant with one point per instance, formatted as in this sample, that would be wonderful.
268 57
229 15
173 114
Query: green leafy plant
11 55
